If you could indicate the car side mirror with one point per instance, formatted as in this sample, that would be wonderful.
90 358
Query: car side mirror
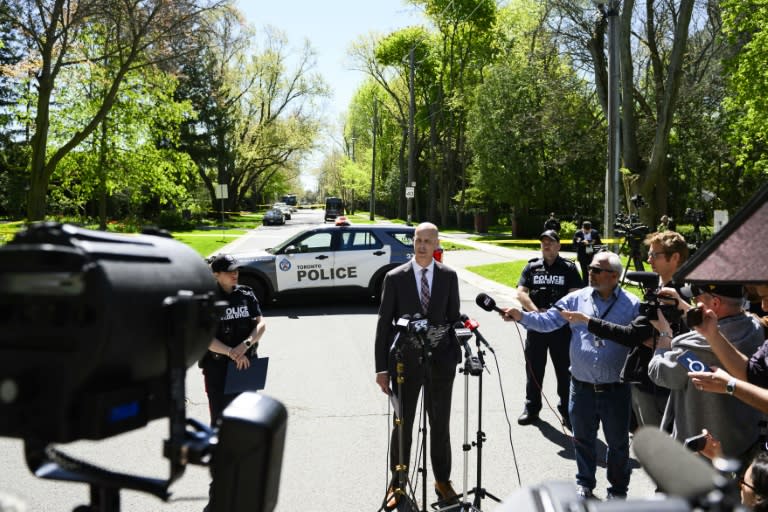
291 249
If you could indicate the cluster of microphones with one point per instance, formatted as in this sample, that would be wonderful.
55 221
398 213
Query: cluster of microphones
416 327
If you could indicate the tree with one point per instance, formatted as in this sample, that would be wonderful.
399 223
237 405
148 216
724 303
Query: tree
255 115
655 56
531 124
140 34
747 102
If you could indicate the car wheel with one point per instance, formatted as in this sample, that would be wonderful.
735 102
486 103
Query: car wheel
257 285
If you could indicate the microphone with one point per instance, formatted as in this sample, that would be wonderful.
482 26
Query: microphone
671 466
486 302
401 327
402 323
419 324
472 325
472 364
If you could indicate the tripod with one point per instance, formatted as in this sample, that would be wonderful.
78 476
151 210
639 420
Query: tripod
473 366
404 501
634 256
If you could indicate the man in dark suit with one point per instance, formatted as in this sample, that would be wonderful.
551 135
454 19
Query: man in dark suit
426 287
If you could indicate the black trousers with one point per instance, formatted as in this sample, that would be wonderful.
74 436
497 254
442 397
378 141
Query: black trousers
584 261
437 380
215 375
536 346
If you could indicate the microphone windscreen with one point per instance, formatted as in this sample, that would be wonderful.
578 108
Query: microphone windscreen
485 301
672 467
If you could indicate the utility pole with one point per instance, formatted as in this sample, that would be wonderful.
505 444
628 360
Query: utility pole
611 12
411 136
373 160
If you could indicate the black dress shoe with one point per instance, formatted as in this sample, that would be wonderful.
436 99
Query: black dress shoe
527 417
446 494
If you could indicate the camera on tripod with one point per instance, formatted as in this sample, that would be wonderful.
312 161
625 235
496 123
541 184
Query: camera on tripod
96 333
695 217
652 304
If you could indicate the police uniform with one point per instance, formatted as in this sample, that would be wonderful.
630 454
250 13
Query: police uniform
235 324
547 284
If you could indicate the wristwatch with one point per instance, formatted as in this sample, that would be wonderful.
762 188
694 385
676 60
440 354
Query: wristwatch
248 341
665 334
730 387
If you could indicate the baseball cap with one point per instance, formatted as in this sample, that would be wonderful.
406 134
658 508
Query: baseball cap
735 291
550 233
224 263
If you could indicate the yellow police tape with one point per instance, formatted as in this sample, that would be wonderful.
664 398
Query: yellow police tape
605 241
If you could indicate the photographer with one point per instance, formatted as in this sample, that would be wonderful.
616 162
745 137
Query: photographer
666 253
742 377
689 409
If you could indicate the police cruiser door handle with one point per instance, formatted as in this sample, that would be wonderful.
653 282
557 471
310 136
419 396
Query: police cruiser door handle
321 257
379 253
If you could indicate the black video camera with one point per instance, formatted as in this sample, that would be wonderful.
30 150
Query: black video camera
652 304
97 331
630 227
695 217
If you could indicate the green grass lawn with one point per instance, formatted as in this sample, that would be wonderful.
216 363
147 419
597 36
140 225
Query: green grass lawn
206 242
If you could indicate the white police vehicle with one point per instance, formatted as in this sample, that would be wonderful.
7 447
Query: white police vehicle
334 259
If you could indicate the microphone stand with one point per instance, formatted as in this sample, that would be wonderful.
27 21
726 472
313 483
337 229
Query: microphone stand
404 502
472 366
479 491
426 356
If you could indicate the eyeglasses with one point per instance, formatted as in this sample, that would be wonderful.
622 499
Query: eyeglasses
656 255
748 486
599 270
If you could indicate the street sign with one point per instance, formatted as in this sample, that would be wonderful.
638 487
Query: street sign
222 191
409 192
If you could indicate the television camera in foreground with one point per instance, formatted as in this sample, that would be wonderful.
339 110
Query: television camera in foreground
96 333
685 483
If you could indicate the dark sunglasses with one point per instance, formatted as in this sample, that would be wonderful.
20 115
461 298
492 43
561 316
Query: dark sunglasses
599 270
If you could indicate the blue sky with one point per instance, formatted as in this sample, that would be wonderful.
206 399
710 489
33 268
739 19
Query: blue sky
330 26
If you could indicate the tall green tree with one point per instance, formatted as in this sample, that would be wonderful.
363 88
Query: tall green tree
655 58
256 109
140 34
531 125
747 102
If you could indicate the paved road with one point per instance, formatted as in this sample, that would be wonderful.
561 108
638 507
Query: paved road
321 368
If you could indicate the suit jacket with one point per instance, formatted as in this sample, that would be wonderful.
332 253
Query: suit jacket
400 297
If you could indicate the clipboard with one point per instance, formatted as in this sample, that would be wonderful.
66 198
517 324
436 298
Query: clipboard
252 378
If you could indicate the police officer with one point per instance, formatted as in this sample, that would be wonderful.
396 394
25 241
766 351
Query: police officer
240 328
543 281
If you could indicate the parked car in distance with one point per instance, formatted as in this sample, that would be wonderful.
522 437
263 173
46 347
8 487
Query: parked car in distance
284 208
273 217
334 207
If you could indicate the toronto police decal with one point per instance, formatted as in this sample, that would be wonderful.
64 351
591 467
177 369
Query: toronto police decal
285 265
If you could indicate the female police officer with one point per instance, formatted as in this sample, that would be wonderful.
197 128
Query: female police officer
240 328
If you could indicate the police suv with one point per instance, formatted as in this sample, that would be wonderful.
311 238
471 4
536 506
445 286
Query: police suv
332 259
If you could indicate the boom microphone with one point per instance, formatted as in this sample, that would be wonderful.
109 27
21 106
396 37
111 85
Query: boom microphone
673 468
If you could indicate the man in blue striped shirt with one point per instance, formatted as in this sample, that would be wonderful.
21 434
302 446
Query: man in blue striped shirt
597 395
